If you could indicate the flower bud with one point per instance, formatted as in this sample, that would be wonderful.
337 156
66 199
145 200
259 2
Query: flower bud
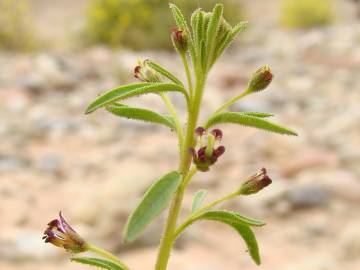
145 73
217 134
60 234
180 40
200 131
255 183
260 79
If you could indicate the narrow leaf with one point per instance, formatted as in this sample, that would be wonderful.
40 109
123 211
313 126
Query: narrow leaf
241 225
258 114
178 17
164 72
198 200
196 18
203 55
231 217
240 27
100 263
152 204
131 90
248 120
141 114
213 30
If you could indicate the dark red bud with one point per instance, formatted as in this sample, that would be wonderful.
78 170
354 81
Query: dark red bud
213 159
202 154
180 39
219 151
200 131
217 133
137 72
265 181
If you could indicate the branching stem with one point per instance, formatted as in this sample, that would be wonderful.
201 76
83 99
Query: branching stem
200 211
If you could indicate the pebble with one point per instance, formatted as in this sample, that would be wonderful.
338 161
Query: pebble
304 196
13 163
51 163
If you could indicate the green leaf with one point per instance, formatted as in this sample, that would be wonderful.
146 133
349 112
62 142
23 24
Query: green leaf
198 200
164 72
213 30
203 55
240 224
178 17
131 90
101 263
240 27
152 204
196 19
248 120
140 114
258 114
231 217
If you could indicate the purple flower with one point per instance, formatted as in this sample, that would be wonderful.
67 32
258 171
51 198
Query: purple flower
60 234
206 154
255 183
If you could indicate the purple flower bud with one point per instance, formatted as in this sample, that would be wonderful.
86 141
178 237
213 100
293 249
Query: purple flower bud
255 183
145 73
202 154
219 151
200 131
60 234
217 134
260 79
179 39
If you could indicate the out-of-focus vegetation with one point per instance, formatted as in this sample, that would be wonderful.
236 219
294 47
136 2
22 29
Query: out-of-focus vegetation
131 23
306 13
16 28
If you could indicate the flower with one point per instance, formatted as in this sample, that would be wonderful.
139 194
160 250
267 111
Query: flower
260 79
255 183
60 234
207 155
179 39
145 73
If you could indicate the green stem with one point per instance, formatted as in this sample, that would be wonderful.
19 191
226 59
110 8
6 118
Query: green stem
168 239
188 74
231 102
185 162
175 115
200 211
106 254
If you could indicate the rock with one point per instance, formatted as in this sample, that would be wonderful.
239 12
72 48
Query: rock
34 82
303 196
344 185
13 163
51 163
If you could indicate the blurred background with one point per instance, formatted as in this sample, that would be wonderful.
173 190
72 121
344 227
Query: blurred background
56 56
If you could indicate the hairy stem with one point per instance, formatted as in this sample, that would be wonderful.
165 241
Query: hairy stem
188 74
193 217
185 162
103 253
231 102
